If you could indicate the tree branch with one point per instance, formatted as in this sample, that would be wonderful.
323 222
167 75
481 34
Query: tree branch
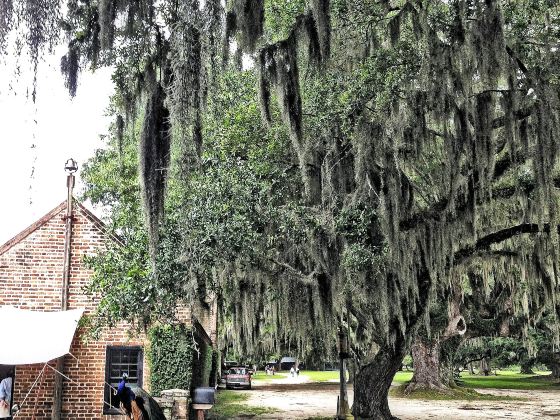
496 237
305 278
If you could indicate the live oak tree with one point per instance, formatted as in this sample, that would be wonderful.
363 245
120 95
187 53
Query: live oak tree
544 340
490 303
535 347
422 133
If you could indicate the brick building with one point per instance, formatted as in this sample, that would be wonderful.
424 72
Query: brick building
31 272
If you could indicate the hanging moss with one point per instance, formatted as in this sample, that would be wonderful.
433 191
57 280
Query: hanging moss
484 149
321 15
6 21
154 162
249 22
395 23
278 67
119 124
309 32
213 14
107 11
70 66
488 40
188 86
230 29
264 95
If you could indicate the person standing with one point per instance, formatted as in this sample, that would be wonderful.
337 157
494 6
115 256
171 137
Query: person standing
292 372
6 397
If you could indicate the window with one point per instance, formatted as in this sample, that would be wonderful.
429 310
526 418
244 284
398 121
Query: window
121 360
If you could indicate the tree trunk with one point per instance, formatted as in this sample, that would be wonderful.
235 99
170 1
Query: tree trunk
471 369
431 369
526 365
426 356
372 383
351 366
526 370
485 366
556 371
555 365
432 365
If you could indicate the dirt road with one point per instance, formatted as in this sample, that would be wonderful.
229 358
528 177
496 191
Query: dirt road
296 399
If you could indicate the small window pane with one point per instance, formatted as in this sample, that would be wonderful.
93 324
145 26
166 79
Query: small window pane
121 360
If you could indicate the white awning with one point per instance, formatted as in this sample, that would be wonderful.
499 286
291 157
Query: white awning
35 337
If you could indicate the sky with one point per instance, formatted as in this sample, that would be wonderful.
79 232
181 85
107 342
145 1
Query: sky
37 138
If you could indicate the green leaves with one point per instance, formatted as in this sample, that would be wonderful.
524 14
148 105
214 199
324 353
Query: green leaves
170 355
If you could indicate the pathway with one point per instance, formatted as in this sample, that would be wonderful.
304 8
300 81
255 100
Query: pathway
295 398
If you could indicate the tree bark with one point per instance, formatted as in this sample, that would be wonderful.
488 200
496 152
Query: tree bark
431 369
351 367
485 366
426 356
555 365
526 366
556 371
372 383
526 370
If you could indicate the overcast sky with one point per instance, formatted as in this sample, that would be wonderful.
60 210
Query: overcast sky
37 138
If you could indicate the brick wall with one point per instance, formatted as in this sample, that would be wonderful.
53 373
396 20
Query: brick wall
208 317
31 267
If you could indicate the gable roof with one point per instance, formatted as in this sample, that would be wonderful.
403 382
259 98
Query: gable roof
47 217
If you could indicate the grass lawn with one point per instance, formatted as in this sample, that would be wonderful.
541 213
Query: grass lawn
321 375
319 418
333 375
264 377
230 403
403 377
451 394
506 379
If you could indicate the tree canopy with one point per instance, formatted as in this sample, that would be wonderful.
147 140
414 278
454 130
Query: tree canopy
344 165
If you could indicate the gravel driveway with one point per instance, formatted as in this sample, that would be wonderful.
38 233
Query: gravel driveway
296 398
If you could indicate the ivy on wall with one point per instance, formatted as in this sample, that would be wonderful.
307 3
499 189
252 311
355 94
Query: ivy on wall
170 355
179 359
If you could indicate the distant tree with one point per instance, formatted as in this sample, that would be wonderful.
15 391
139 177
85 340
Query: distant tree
545 344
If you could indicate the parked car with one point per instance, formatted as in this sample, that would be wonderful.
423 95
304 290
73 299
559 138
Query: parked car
225 368
238 377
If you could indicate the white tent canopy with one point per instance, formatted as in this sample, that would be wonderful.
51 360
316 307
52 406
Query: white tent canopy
36 337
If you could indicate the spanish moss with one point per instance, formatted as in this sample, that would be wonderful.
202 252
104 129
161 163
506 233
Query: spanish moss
249 22
154 162
70 66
